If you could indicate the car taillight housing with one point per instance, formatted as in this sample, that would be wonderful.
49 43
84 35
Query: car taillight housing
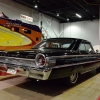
40 60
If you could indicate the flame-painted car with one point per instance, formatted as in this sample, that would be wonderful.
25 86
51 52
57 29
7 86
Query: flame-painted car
51 59
17 35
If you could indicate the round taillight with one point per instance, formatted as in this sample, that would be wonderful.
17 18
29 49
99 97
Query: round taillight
40 60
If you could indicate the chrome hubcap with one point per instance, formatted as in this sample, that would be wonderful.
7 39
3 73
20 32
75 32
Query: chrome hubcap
73 77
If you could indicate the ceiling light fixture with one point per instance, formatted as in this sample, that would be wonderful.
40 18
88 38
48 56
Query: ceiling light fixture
78 15
35 6
57 14
67 19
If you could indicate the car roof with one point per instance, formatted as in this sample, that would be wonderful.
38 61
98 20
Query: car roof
67 38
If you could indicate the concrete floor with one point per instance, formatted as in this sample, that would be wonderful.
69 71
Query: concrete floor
20 88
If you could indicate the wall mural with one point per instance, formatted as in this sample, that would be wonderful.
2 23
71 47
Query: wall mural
17 35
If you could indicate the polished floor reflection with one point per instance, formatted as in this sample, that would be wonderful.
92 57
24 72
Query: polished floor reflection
20 88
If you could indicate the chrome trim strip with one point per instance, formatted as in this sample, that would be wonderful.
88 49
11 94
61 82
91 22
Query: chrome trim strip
16 58
67 65
31 62
68 56
63 56
16 62
88 71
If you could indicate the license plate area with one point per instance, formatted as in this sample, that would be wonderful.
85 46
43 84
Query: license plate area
11 71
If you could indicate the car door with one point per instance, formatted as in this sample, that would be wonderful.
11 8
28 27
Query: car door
87 60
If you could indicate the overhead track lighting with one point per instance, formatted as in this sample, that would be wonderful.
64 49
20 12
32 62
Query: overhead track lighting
78 15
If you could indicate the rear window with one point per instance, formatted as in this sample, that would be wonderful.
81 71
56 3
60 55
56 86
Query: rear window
55 43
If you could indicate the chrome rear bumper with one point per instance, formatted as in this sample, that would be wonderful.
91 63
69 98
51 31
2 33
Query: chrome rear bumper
39 74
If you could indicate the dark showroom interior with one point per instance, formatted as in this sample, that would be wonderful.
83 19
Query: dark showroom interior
49 49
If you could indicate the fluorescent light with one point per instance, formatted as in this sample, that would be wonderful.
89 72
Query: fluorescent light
78 15
36 6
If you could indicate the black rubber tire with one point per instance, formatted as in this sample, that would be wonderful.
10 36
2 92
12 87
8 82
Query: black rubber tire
98 70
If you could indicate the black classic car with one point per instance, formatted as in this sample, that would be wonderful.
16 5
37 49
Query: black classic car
51 59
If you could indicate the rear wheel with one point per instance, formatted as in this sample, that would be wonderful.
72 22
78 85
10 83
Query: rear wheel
72 79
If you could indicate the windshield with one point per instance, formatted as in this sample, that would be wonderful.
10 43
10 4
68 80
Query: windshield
55 43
